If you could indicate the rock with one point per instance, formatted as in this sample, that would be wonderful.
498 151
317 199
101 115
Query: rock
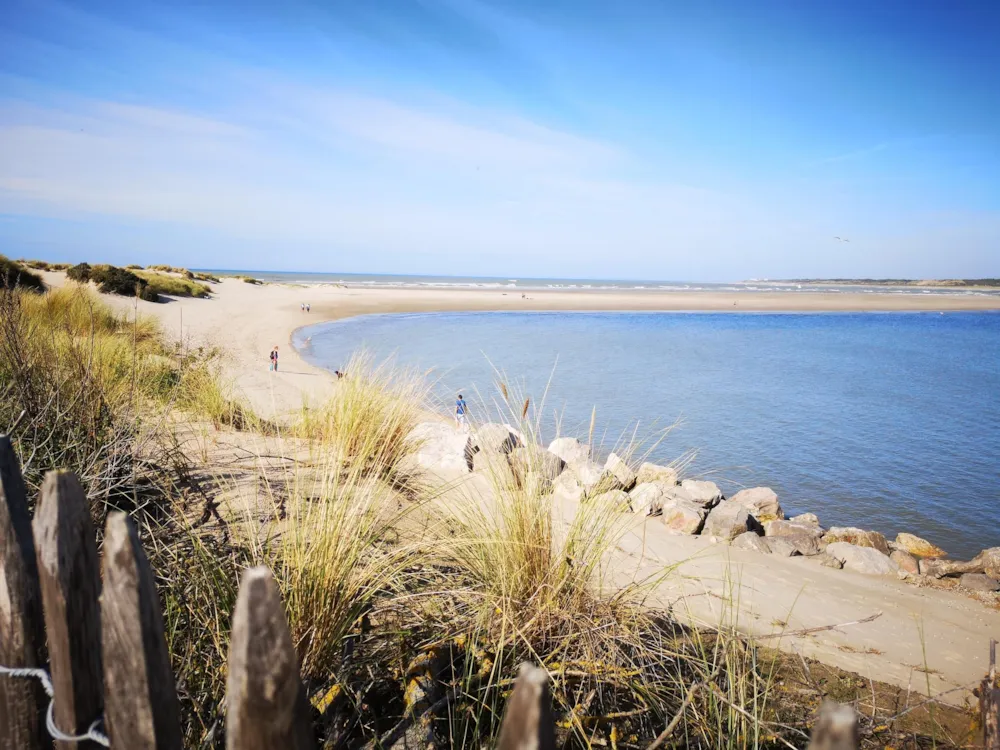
595 479
706 494
762 502
828 561
806 545
441 448
782 547
752 541
570 450
495 466
533 459
857 537
618 499
727 520
683 518
790 528
621 471
648 497
494 438
987 561
810 519
918 547
860 559
905 561
653 473
567 486
979 582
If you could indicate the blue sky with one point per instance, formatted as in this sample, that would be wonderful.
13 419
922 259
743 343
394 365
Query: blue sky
668 140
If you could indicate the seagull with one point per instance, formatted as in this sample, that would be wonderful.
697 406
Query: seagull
841 239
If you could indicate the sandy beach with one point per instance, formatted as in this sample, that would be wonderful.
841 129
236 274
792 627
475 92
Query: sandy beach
793 594
247 320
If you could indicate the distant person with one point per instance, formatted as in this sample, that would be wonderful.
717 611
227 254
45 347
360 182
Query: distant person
274 359
302 306
308 307
461 413
339 374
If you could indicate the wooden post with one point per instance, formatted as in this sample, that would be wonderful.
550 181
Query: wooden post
22 700
71 586
141 708
836 728
529 724
989 703
266 704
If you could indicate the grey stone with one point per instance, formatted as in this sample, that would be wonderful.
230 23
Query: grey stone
654 473
857 537
905 561
727 521
810 519
762 502
494 438
617 499
987 561
862 559
782 547
533 459
441 448
706 494
751 541
648 498
570 450
790 528
566 485
621 471
979 582
806 545
828 561
683 518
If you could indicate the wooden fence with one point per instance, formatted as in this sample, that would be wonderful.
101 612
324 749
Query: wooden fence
102 639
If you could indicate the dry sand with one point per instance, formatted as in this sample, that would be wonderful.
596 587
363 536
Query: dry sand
773 594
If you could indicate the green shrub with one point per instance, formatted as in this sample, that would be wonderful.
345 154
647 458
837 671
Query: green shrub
250 280
80 272
15 275
161 283
114 280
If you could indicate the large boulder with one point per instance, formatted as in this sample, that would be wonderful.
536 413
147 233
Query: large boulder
570 450
617 499
806 545
594 478
987 561
867 560
648 498
918 547
979 582
762 502
905 561
494 438
782 547
752 541
791 528
857 537
531 459
654 473
566 485
621 471
706 494
810 519
441 448
683 518
496 467
727 520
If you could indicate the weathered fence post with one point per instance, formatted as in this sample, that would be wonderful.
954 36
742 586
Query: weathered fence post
22 701
836 728
140 705
71 586
989 703
528 724
266 704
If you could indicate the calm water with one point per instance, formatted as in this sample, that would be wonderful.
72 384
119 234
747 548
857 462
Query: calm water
886 421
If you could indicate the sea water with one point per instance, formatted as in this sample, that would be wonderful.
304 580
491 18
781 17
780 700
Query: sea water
888 421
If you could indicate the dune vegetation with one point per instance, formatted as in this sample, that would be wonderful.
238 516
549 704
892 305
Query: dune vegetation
411 604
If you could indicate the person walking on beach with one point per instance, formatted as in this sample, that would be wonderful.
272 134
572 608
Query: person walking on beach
308 307
274 359
461 413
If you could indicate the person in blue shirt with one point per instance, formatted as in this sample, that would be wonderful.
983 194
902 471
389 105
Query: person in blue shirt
461 412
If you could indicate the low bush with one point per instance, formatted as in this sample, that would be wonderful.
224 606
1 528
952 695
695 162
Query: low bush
80 272
114 280
161 283
13 274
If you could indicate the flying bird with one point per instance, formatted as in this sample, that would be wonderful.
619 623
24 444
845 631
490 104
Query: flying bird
841 239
